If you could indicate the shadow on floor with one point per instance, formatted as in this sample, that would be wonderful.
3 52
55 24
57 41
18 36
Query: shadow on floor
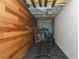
55 53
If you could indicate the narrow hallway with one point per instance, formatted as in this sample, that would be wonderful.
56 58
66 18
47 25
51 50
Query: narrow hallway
38 29
44 13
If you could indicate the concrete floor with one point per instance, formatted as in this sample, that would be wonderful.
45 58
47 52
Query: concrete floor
55 53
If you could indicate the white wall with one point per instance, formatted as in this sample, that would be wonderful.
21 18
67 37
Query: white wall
66 30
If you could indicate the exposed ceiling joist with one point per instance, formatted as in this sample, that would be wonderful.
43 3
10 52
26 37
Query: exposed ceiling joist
25 3
53 7
33 3
45 3
53 3
40 3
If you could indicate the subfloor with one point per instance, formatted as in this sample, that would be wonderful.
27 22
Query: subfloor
55 53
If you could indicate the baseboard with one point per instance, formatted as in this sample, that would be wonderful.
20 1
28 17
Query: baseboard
60 48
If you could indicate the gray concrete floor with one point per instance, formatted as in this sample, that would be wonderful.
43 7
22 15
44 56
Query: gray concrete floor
55 53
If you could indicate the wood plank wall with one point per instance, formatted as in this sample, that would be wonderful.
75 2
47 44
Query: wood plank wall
16 29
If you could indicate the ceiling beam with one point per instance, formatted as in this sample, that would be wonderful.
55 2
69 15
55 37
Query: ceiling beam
33 3
25 3
53 3
45 3
40 3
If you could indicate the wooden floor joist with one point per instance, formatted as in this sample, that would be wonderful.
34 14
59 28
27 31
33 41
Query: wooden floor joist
40 3
53 3
33 3
45 3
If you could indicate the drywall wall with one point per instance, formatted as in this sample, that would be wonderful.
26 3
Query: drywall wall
66 30
15 29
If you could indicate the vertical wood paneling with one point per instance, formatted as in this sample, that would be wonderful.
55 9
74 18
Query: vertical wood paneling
16 29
